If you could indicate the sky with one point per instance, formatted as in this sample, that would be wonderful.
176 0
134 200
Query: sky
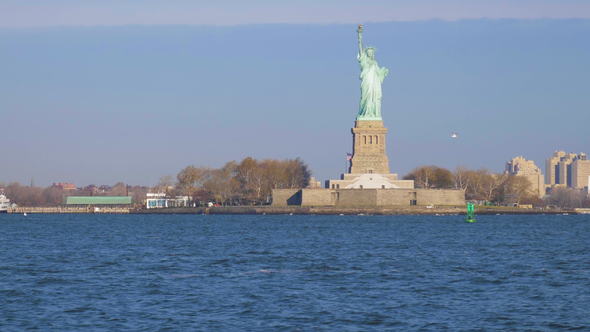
106 91
36 13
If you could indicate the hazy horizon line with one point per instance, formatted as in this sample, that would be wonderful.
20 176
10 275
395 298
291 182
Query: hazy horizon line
253 24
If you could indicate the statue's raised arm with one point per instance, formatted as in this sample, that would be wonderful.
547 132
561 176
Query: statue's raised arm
360 37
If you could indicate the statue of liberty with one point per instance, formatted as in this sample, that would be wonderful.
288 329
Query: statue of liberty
371 78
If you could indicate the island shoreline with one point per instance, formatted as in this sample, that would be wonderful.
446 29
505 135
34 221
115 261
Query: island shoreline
298 210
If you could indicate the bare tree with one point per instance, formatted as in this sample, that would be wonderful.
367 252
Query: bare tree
191 179
138 193
165 184
431 177
53 196
461 177
249 181
222 183
119 189
516 189
25 195
491 184
249 176
567 198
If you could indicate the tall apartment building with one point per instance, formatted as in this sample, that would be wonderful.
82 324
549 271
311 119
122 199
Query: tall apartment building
567 169
581 173
520 166
552 168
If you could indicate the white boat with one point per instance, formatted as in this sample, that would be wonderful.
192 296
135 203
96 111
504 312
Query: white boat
4 204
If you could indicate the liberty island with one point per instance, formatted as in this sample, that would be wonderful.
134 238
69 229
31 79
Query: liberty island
368 179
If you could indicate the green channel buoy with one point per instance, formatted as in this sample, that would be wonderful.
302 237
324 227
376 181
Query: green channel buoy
470 213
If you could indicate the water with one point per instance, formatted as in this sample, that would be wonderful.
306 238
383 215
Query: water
293 273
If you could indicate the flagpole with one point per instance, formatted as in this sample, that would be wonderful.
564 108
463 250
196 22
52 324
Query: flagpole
347 162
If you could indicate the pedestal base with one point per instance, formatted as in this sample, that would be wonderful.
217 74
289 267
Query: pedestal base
368 146
370 181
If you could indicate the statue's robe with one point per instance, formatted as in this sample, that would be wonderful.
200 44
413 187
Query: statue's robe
371 78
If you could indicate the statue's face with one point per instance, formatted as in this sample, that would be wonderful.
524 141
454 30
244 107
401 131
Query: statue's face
371 53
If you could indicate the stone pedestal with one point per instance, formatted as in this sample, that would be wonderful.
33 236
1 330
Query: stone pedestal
369 166
368 148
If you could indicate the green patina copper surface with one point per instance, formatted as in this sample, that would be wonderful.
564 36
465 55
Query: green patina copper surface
470 212
98 200
371 78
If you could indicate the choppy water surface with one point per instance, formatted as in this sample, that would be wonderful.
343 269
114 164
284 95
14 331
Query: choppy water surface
105 272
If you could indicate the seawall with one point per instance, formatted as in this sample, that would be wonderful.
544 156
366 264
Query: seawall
270 210
68 209
402 210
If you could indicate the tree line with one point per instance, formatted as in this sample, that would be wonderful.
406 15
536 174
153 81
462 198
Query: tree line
53 195
501 188
478 184
249 182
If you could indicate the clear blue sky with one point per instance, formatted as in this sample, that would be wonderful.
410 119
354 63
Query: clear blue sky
116 101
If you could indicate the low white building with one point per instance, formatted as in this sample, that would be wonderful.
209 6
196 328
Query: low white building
4 203
159 201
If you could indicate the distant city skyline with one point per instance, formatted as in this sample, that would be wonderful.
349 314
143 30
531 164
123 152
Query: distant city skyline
99 105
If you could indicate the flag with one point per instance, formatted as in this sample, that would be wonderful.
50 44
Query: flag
348 156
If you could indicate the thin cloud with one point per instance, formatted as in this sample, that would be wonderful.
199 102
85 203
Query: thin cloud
38 13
